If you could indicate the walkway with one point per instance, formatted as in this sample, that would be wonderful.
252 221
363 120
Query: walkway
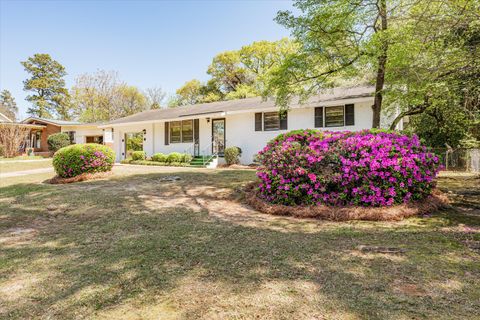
25 172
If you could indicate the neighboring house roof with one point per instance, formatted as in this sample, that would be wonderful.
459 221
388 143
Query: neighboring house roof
239 105
60 123
51 121
4 118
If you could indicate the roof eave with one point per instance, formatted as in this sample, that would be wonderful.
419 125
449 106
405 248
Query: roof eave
311 104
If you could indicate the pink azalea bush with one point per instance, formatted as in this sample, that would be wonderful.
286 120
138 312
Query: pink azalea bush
76 159
367 168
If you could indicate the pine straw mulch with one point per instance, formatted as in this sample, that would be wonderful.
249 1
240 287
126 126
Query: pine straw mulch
394 213
80 177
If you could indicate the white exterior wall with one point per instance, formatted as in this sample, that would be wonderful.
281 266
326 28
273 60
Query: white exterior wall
81 132
240 128
239 131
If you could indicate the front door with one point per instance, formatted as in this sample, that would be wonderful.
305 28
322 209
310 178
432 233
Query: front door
218 136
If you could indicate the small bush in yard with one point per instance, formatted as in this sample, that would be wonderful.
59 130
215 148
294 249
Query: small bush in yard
174 157
76 159
367 168
57 141
186 158
232 155
139 155
159 157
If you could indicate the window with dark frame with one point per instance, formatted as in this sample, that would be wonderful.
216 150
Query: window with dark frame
180 131
271 121
334 116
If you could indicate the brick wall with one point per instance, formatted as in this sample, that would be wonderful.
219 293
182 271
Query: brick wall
47 131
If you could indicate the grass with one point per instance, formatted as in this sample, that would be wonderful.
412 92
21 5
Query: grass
138 247
22 158
12 166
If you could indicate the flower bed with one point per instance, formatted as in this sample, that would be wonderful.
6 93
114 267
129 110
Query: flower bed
371 168
431 203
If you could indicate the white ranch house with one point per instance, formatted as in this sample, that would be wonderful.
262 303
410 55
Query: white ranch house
207 129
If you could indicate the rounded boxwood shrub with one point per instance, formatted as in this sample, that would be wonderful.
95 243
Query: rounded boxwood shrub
232 155
76 159
367 168
174 157
139 155
159 157
57 141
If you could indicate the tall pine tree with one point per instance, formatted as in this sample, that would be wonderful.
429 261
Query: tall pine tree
8 106
49 96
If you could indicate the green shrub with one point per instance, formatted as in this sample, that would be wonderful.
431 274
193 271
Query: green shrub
155 163
76 159
139 155
186 158
232 155
174 157
57 141
159 157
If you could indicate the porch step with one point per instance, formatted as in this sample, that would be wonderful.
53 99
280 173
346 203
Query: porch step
201 161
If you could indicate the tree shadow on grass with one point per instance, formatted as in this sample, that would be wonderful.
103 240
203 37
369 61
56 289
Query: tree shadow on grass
188 244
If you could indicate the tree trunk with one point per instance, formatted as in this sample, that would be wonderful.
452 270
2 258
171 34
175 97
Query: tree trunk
382 62
404 114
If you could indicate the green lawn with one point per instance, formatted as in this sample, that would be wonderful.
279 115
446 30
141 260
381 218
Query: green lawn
137 247
12 166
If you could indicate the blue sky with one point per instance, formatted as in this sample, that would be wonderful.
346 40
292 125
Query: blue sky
150 43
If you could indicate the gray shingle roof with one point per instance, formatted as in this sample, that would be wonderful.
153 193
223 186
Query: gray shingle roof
243 104
57 122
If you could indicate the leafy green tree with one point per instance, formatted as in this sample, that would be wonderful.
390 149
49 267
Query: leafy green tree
436 61
336 39
129 100
236 74
49 95
227 69
8 106
189 93
102 97
243 91
402 46
262 58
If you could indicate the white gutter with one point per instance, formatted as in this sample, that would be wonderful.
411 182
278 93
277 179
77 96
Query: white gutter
180 118
223 114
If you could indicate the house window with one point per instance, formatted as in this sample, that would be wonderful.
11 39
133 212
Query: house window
337 116
334 116
176 131
181 131
187 131
271 121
